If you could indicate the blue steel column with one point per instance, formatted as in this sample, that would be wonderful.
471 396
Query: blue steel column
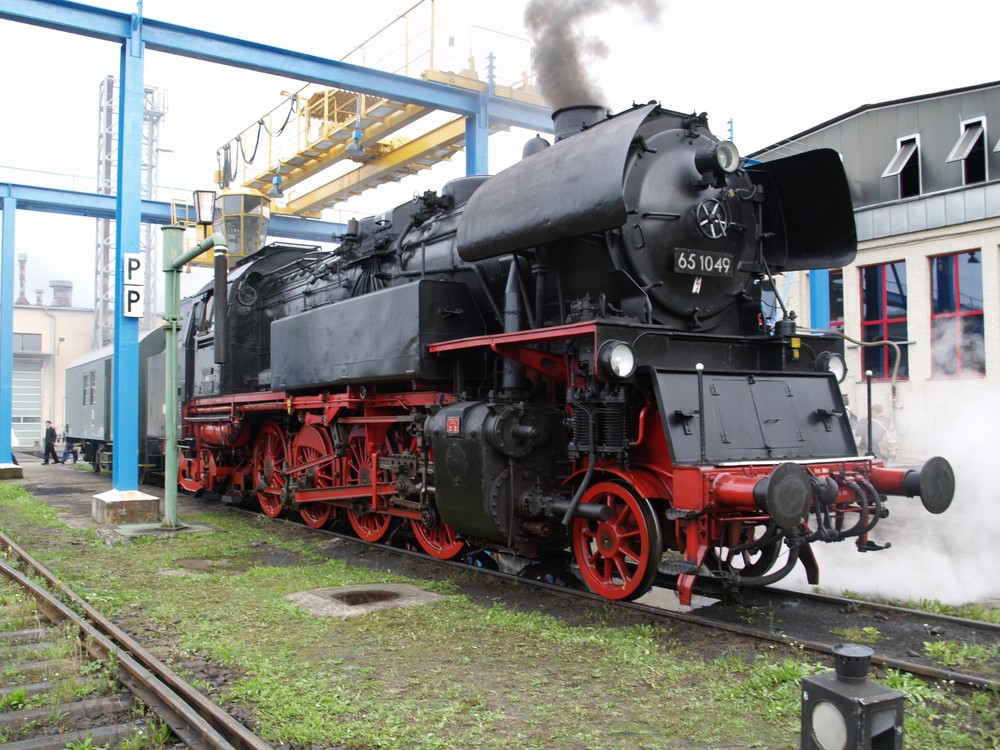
6 326
125 420
819 298
477 132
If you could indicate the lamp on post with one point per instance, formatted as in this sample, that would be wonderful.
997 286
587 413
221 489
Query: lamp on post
204 207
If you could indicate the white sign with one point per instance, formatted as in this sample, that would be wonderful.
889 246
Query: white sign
135 285
135 302
135 270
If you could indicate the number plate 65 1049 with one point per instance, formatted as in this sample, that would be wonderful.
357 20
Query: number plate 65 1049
703 262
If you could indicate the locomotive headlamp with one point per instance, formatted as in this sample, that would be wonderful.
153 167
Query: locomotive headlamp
832 362
617 359
717 158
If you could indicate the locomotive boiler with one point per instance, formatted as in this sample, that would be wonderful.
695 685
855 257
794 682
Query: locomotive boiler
569 355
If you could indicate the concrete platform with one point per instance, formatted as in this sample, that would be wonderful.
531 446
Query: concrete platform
73 490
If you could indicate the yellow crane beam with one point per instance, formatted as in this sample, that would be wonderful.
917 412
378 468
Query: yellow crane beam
420 153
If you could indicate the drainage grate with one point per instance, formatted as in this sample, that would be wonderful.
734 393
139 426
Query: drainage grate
351 601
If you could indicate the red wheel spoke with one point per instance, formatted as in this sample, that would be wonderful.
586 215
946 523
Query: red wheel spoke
631 553
622 570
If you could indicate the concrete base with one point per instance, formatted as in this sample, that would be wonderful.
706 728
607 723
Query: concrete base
116 507
350 601
11 471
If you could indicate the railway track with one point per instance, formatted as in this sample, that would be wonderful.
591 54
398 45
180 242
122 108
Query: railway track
72 678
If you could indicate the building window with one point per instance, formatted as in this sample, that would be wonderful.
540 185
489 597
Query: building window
906 165
957 326
883 318
27 342
837 298
971 151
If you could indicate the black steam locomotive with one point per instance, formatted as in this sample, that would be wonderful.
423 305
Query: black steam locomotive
568 355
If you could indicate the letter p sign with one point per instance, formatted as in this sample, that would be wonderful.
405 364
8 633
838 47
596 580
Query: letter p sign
134 285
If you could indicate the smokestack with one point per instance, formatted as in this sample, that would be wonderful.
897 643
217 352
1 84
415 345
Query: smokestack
22 298
62 293
572 120
38 297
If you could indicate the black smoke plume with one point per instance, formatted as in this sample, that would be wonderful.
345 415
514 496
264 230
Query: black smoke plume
562 52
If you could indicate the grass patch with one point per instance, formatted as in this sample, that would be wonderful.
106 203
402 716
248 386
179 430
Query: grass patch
456 673
867 634
933 606
952 654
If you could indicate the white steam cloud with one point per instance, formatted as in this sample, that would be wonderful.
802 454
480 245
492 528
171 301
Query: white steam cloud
952 557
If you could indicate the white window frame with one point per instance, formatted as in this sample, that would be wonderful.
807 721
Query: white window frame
966 141
906 147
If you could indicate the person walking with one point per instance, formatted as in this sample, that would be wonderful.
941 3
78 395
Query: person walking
50 444
69 447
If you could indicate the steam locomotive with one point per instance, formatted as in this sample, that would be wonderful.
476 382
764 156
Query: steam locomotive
567 356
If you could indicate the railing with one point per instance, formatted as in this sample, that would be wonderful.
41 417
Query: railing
314 119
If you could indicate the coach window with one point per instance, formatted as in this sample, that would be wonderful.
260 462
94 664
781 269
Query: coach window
906 166
883 317
971 151
957 315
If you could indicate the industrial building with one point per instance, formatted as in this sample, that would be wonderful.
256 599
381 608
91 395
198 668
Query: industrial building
49 333
925 182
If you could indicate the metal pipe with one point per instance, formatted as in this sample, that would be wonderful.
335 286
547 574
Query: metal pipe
173 237
703 459
221 306
173 261
578 496
868 380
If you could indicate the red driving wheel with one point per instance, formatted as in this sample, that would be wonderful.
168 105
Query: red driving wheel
618 558
311 443
370 526
268 462
439 542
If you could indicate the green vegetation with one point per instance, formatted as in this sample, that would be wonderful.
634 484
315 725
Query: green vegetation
952 654
458 673
15 700
968 611
933 606
867 634
86 743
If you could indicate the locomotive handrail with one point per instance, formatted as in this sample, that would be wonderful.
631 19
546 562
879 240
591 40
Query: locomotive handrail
555 333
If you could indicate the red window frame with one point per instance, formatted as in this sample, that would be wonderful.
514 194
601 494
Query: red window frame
876 326
958 352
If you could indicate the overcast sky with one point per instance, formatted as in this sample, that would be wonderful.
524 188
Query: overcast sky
775 67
